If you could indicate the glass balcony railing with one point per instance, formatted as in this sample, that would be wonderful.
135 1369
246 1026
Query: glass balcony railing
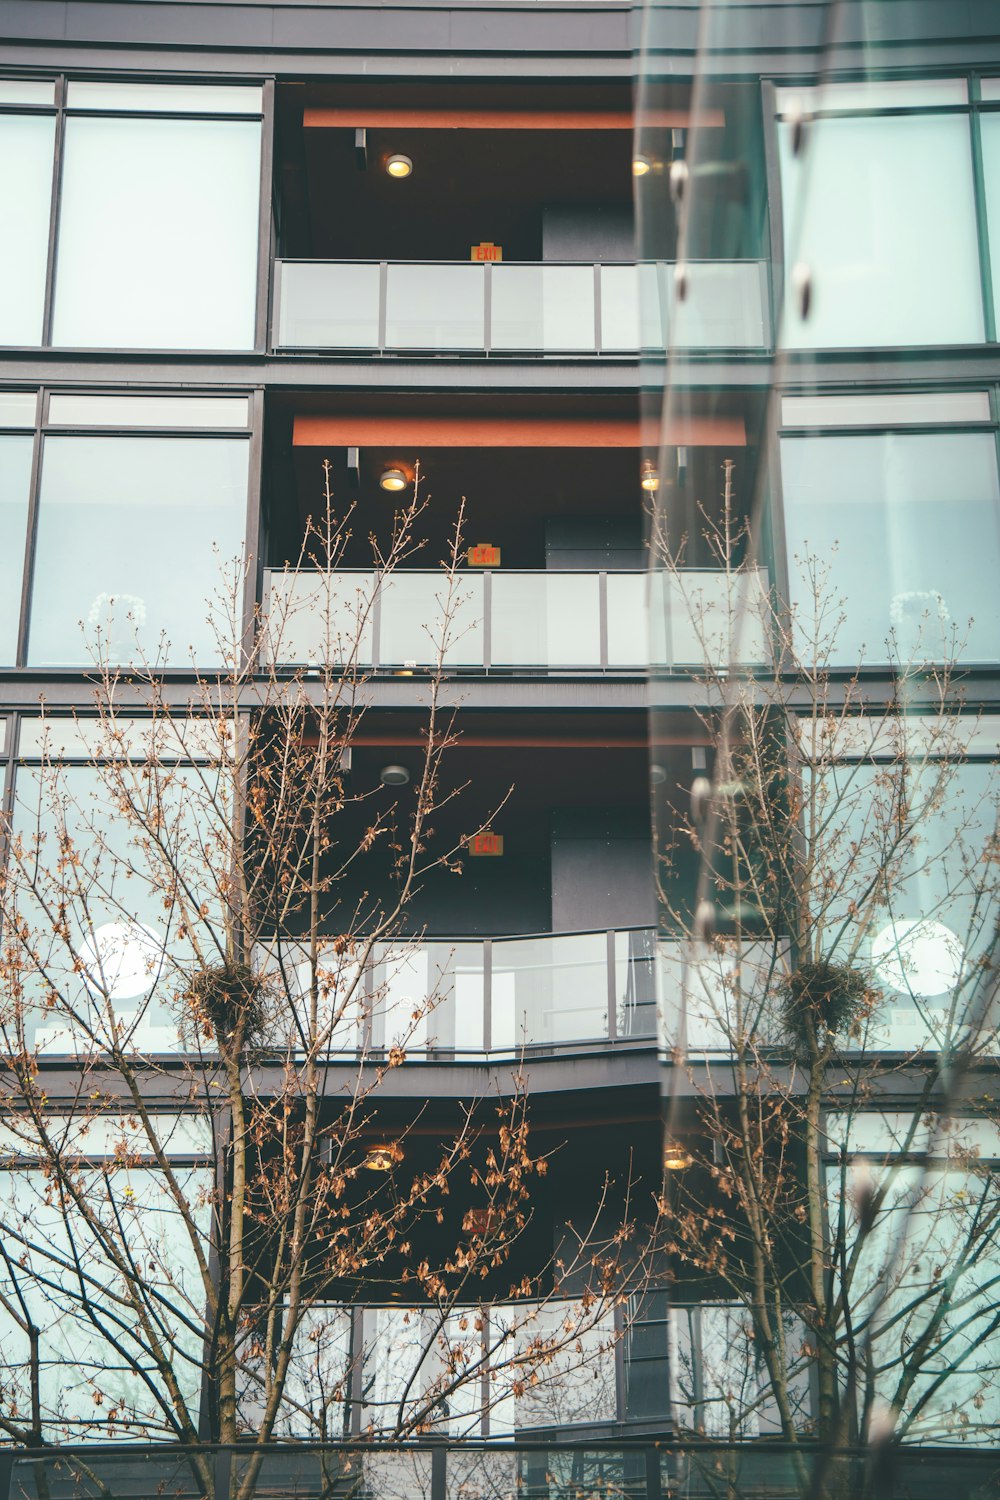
481 996
509 621
517 308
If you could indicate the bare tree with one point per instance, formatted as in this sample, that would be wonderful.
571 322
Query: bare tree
204 992
834 1216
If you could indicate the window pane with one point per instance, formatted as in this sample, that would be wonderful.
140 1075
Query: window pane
15 481
990 125
182 98
124 556
27 91
149 411
158 234
17 409
911 521
914 408
882 212
895 93
26 145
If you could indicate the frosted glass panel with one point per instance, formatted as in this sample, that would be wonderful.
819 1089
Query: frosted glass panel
26 144
328 305
158 234
912 522
546 620
542 307
125 559
882 212
435 307
15 480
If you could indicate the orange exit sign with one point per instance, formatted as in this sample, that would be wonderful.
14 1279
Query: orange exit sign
486 845
486 250
485 555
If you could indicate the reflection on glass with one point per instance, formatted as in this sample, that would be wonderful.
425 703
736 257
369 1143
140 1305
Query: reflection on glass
158 234
911 521
724 306
127 532
542 307
435 307
630 307
882 211
121 955
328 305
26 146
420 618
546 619
15 481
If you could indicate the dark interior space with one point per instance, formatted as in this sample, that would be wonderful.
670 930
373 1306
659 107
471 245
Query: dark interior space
543 507
568 794
541 193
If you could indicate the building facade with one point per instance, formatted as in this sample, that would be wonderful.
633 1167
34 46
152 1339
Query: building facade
686 314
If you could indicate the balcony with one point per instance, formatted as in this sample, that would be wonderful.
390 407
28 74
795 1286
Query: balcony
380 307
500 997
550 622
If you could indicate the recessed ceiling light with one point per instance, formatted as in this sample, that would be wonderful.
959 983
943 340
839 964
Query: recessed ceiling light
641 165
398 165
394 775
649 479
384 1157
676 1158
393 479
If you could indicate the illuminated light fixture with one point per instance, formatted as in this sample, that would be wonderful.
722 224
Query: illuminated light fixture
649 479
383 1157
676 1158
394 775
393 480
641 165
399 166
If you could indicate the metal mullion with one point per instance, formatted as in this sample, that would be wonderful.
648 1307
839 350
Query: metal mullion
50 264
79 112
597 307
252 527
612 988
265 221
775 208
30 530
383 290
487 994
982 219
487 618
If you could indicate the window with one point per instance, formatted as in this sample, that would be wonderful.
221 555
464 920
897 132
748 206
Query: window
881 209
15 485
156 218
94 1366
908 525
924 1282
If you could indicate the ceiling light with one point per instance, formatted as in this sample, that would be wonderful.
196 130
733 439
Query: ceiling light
641 165
675 1157
383 1157
394 775
399 165
649 480
393 479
